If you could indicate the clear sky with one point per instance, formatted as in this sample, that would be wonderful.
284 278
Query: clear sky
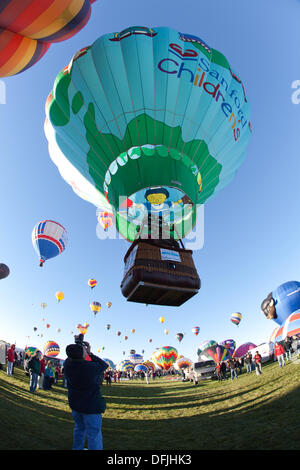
251 238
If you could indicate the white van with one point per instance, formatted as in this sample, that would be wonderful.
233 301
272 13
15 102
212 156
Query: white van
201 370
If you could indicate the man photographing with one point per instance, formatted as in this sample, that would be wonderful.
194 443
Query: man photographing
83 372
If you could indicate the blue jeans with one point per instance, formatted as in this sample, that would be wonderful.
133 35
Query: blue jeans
33 381
87 425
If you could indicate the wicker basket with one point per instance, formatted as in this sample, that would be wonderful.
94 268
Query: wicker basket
159 272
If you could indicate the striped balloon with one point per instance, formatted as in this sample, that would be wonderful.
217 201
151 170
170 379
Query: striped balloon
92 283
141 368
110 363
49 239
136 358
165 357
291 327
51 349
204 345
195 330
28 27
150 365
95 307
125 366
273 335
217 353
236 318
183 363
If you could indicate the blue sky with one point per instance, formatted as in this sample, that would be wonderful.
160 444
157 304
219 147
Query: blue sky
251 238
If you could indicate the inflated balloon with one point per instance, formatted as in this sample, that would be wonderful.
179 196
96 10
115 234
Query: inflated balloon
242 350
95 307
106 219
133 330
49 239
162 319
59 295
109 304
229 344
92 283
141 368
125 337
132 351
118 333
165 357
150 365
179 336
204 345
136 358
148 121
236 318
195 330
31 351
29 27
82 328
282 302
35 328
108 326
4 270
273 335
109 362
166 332
183 363
125 366
290 328
217 353
51 349
43 305
58 330
48 325
150 340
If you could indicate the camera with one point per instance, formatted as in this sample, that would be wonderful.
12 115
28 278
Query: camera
78 339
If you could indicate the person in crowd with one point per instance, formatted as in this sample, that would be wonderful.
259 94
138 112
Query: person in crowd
42 373
48 375
240 364
107 377
232 368
10 357
257 361
224 370
287 345
147 375
218 371
279 354
248 362
34 366
84 395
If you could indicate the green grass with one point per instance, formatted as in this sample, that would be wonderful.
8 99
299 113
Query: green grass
251 413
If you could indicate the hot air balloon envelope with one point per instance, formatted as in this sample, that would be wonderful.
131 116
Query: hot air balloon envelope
282 302
49 239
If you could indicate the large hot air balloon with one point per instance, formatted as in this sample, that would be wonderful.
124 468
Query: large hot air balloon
196 330
290 328
204 345
150 365
183 363
147 124
236 318
217 353
125 366
51 349
49 238
95 307
282 302
28 27
59 295
110 363
4 270
229 344
242 350
31 350
141 368
92 283
165 357
136 358
82 328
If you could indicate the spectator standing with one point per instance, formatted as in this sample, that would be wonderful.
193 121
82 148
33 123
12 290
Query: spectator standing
218 371
287 345
10 359
223 370
232 368
34 366
248 362
257 360
42 373
47 383
279 354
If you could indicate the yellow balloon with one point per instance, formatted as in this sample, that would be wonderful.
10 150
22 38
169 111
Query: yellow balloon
59 295
162 320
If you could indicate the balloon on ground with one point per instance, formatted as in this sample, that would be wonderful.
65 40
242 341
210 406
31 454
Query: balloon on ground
165 356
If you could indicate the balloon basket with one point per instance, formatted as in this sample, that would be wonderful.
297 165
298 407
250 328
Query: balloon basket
159 272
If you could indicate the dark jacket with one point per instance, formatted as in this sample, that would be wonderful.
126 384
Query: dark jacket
83 382
34 365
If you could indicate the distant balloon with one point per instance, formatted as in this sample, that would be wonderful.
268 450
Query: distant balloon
43 305
179 336
133 330
49 239
106 219
35 328
59 295
196 330
92 283
150 340
82 328
125 337
162 319
236 318
109 304
48 325
4 271
108 326
118 333
166 332
95 307
51 349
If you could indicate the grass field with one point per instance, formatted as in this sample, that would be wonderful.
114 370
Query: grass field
251 413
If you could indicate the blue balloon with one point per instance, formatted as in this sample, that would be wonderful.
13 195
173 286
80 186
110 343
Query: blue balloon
282 302
49 239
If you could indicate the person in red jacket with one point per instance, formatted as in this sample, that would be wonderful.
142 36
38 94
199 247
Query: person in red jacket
279 354
10 359
257 361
